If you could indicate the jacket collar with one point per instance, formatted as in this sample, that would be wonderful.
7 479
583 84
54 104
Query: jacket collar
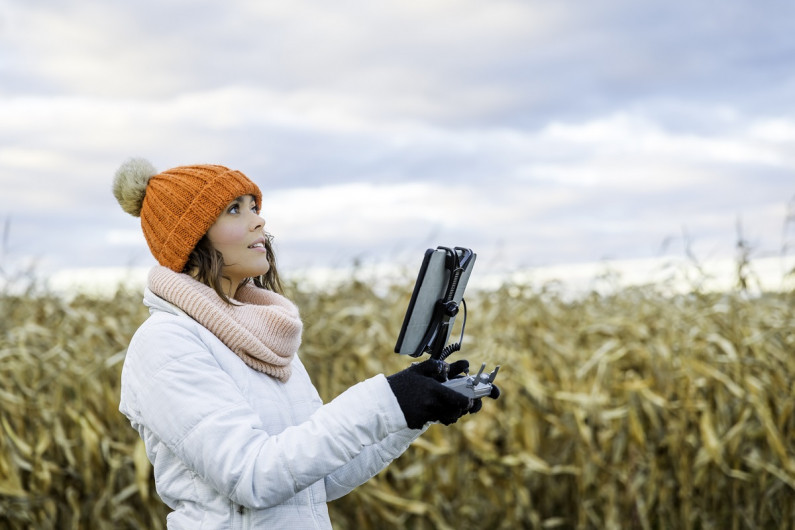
157 304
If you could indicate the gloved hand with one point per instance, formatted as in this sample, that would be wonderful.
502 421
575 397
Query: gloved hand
422 396
462 367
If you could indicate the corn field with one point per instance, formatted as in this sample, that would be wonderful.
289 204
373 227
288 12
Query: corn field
633 409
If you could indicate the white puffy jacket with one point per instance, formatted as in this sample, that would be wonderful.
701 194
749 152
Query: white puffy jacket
235 448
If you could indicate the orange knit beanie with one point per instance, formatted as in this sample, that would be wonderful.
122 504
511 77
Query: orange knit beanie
179 205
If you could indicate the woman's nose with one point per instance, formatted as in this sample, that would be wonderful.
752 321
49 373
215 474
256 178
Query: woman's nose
258 222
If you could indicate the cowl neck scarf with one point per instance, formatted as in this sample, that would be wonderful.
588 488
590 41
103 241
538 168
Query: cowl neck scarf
265 331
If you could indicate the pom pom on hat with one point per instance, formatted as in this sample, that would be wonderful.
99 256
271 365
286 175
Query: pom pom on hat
129 184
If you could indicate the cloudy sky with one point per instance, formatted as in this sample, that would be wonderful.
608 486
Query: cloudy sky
536 132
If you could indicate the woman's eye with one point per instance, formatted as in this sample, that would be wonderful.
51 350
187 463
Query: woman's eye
234 208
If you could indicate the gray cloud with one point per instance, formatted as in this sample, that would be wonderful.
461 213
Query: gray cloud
543 132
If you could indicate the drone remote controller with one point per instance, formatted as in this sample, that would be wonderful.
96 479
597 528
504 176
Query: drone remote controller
473 386
435 302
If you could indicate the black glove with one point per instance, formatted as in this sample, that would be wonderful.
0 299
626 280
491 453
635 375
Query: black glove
422 396
462 367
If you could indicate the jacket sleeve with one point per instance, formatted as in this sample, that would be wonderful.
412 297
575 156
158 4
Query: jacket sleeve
194 407
369 463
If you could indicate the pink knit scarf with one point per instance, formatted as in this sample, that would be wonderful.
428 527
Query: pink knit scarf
265 331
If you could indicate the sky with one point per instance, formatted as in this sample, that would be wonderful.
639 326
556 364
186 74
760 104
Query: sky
535 132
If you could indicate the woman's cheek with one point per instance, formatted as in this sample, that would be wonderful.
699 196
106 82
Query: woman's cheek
225 234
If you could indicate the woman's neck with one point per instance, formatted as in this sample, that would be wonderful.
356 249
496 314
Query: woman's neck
230 286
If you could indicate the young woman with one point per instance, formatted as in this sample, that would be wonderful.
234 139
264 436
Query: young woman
236 432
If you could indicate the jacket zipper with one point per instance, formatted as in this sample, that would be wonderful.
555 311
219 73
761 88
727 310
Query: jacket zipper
241 520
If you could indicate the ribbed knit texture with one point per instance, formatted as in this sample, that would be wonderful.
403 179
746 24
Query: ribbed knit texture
265 331
182 203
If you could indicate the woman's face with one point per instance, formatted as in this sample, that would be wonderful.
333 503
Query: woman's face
239 235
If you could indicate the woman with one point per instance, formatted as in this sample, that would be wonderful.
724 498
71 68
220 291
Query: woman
236 432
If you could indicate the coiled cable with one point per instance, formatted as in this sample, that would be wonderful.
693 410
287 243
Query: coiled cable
456 346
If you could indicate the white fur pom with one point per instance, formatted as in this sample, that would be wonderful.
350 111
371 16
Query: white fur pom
129 184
